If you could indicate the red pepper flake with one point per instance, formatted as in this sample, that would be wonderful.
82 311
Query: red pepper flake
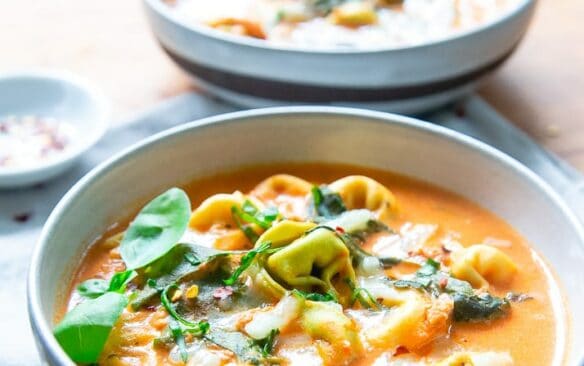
222 293
400 351
340 229
150 308
22 217
443 282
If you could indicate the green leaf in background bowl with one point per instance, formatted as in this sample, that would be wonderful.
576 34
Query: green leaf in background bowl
84 330
156 229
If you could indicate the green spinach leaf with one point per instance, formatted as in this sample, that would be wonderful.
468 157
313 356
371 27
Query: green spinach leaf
481 307
238 343
326 202
468 306
156 229
84 330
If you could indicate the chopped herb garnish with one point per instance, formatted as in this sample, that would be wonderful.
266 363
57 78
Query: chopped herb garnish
179 338
250 214
264 218
246 228
193 328
246 261
266 345
363 296
313 296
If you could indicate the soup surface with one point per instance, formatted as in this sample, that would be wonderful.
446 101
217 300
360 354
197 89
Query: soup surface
344 23
310 265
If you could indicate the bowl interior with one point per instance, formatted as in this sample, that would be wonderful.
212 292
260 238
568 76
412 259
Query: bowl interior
164 9
370 139
52 95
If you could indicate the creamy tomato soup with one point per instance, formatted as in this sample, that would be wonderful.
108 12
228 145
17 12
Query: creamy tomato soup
344 23
311 265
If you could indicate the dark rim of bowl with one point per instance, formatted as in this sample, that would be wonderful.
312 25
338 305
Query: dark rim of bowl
306 93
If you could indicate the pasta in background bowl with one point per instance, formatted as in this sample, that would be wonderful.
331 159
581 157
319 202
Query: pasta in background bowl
337 261
400 56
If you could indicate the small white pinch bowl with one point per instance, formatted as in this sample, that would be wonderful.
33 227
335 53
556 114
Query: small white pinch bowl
58 95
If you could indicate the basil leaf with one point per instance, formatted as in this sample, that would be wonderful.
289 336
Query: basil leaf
93 288
156 229
84 330
120 280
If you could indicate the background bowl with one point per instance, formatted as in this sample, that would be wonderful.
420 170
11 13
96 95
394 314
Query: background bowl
118 187
56 95
256 73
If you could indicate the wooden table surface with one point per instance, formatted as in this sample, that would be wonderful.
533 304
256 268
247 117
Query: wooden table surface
541 88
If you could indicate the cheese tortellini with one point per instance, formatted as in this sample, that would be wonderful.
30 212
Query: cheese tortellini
482 264
215 214
413 322
216 210
287 192
282 184
308 260
358 191
327 321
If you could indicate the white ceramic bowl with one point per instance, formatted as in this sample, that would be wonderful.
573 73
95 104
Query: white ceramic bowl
256 73
116 188
52 94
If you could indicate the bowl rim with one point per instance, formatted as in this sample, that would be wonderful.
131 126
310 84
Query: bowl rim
163 10
43 331
89 92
